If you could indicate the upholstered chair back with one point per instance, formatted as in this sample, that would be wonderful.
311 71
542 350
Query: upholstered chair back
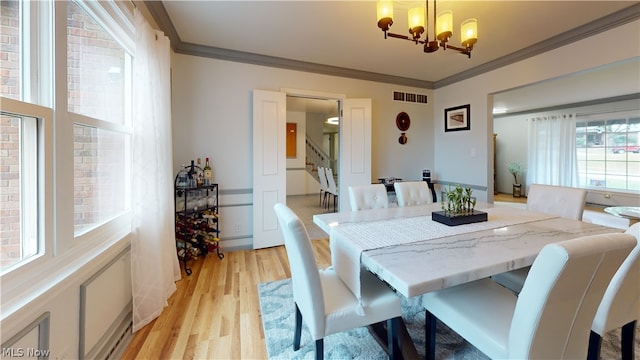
304 270
323 178
364 197
567 202
621 302
561 294
412 193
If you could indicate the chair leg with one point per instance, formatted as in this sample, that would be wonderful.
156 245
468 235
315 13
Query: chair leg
298 331
595 341
393 339
319 349
430 335
627 340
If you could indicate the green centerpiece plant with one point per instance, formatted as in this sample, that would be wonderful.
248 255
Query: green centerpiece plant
458 208
458 201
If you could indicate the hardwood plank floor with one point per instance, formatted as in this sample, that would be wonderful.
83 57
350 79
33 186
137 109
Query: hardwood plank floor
215 312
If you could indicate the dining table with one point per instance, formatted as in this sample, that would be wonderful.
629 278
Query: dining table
414 254
631 213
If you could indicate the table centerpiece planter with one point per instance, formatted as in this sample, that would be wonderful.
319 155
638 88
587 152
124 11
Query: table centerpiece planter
458 209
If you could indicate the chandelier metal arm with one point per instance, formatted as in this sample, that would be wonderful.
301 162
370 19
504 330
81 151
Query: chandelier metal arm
442 44
465 51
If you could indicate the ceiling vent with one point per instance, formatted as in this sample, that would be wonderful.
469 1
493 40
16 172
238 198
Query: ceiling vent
409 97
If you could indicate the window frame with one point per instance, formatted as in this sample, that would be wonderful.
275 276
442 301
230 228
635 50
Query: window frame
44 180
117 22
64 254
606 117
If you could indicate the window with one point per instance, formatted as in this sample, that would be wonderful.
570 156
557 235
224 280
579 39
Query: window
608 150
18 177
97 69
22 138
98 102
100 175
91 127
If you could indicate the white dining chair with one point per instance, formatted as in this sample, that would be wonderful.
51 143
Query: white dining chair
566 202
371 196
620 306
324 302
332 187
412 193
323 185
552 316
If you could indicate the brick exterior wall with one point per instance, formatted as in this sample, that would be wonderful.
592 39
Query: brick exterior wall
10 49
10 135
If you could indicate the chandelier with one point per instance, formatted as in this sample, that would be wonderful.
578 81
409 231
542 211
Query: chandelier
442 27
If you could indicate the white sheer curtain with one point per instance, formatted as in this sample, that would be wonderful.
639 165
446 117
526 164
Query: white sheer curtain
154 262
552 158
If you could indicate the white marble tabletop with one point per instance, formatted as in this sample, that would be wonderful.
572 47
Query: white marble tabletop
627 212
448 258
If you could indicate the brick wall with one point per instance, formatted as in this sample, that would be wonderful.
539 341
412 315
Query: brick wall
10 49
9 135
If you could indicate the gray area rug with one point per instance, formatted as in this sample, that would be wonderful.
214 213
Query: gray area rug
278 309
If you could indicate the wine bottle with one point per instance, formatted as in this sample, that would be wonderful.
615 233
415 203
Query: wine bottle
208 173
191 175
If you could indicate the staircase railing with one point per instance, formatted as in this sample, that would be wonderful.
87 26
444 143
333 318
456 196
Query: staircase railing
315 157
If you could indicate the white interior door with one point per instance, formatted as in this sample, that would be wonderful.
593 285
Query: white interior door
269 165
355 147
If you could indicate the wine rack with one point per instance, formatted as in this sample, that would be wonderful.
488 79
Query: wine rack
197 230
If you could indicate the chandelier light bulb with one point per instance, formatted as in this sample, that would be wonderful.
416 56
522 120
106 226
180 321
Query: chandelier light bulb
385 14
469 32
416 21
444 25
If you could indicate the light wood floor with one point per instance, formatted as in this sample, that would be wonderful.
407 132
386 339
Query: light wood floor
215 313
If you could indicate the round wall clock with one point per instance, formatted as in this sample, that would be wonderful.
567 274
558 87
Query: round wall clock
402 121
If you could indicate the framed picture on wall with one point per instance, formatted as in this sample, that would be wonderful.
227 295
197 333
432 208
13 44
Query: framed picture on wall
457 118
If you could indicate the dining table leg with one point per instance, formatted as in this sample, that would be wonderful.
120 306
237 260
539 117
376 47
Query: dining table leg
408 349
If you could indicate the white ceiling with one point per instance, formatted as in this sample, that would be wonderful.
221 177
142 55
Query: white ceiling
345 34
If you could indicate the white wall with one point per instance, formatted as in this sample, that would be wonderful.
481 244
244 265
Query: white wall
211 106
454 158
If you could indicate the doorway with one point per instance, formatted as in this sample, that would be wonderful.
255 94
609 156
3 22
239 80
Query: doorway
269 169
316 121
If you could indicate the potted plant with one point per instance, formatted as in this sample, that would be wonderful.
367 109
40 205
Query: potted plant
516 169
458 208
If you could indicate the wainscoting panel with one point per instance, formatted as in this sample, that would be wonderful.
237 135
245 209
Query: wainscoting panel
105 308
31 342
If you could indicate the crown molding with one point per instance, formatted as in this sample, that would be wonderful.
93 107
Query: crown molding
271 61
159 13
609 22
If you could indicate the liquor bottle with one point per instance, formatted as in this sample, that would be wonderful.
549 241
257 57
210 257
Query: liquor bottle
208 173
183 179
200 176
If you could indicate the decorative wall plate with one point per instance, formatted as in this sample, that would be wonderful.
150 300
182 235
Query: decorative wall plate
403 121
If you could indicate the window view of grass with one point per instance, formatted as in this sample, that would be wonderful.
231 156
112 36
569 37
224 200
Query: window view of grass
608 152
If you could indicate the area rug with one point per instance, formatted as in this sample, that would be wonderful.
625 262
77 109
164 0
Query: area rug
277 309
